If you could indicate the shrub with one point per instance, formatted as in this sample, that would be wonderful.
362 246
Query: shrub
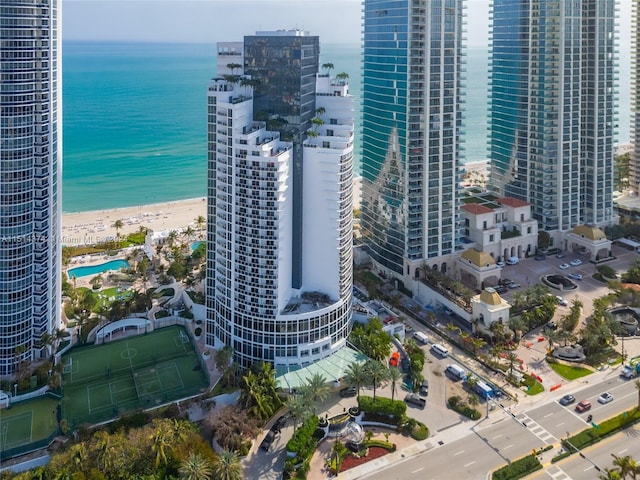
607 427
456 404
517 469
382 418
385 406
198 332
606 271
380 443
303 438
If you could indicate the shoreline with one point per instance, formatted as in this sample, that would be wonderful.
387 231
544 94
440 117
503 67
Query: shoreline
97 226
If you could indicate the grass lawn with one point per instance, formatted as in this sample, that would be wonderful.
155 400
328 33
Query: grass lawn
570 372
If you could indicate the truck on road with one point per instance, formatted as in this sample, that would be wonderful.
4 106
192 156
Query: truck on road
630 371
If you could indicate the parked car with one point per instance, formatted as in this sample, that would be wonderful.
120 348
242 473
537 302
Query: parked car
540 257
562 301
606 397
514 285
513 261
415 400
575 262
279 424
563 266
500 289
348 392
424 387
583 406
500 264
560 255
567 400
268 440
505 281
551 325
575 276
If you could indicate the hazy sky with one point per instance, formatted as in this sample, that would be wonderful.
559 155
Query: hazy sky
208 21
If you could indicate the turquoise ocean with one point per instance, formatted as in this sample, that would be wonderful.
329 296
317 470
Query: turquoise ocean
135 119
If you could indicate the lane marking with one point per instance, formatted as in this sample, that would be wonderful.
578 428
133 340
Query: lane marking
416 471
622 451
469 464
561 423
458 453
548 415
498 436
588 468
508 446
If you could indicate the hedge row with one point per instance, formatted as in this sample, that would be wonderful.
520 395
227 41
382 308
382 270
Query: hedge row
303 443
605 428
385 406
456 404
517 469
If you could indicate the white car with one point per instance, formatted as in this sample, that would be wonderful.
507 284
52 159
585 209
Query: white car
500 264
575 262
562 301
575 276
563 266
606 397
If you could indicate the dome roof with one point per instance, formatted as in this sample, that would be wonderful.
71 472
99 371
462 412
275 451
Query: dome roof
480 259
490 297
592 233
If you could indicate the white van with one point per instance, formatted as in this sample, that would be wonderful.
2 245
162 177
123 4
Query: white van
456 372
439 350
421 337
513 261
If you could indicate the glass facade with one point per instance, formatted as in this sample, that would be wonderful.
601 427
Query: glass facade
413 82
30 113
552 108
284 69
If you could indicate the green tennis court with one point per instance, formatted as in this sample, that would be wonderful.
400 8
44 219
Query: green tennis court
102 381
27 422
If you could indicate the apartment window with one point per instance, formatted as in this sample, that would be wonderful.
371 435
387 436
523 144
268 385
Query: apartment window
491 238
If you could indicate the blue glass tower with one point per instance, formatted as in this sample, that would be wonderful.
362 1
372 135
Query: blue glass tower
413 82
552 115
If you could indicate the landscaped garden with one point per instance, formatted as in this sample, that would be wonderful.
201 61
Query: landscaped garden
570 372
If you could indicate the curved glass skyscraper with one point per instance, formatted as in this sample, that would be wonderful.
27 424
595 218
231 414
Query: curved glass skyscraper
553 114
412 105
30 176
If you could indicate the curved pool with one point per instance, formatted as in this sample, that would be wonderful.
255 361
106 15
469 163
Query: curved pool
95 269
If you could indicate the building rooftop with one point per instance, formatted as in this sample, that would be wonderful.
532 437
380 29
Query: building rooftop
307 302
592 233
512 202
476 208
479 259
333 368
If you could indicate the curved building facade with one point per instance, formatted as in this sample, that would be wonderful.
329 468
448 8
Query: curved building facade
30 175
279 256
412 101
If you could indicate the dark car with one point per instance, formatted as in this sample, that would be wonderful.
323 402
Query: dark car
268 440
415 400
424 387
349 392
540 256
583 406
567 400
279 424
505 281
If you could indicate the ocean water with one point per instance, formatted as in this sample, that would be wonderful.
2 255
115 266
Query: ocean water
135 118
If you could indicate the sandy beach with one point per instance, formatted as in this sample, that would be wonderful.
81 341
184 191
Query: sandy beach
86 228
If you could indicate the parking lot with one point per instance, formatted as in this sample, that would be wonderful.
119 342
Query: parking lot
529 271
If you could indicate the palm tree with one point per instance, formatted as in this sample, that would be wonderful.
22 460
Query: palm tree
395 375
356 376
513 359
196 467
200 222
377 373
118 225
316 389
299 409
233 67
227 467
477 343
610 474
328 67
626 465
161 443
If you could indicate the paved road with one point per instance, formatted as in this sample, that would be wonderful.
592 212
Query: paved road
599 456
503 437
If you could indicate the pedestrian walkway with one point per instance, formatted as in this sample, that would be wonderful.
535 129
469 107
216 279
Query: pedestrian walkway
536 429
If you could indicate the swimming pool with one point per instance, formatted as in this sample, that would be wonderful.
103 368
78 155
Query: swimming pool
195 245
95 269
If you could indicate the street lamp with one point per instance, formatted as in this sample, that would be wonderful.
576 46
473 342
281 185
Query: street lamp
15 389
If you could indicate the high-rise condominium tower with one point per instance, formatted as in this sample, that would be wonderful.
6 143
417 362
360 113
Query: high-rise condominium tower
634 164
30 176
413 81
279 248
552 117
